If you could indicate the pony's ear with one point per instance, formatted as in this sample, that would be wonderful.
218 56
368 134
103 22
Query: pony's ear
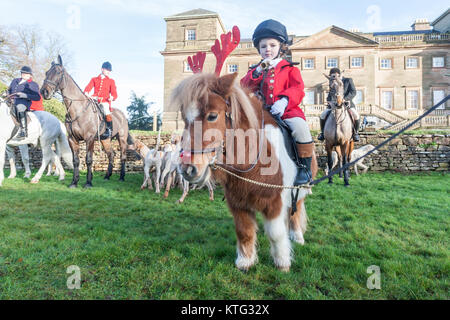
327 76
224 84
60 60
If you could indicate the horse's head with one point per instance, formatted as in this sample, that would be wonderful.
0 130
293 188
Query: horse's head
209 106
54 80
336 88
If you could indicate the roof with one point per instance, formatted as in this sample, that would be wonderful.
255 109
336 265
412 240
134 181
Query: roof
395 33
195 12
441 17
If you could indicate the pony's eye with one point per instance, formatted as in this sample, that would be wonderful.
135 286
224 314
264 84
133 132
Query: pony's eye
212 117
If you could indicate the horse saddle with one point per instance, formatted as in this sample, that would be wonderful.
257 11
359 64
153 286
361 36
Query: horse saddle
289 141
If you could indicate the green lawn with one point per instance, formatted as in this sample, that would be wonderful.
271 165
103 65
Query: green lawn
132 244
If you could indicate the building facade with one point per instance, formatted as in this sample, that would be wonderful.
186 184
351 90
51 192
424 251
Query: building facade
398 73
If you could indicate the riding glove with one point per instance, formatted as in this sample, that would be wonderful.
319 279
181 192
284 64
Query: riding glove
279 106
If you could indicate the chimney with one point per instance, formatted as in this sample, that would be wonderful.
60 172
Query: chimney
355 30
421 24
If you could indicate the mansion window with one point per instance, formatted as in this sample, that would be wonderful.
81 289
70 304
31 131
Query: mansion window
412 63
232 68
190 35
387 99
357 62
309 97
438 96
332 63
308 63
386 63
412 99
438 62
359 98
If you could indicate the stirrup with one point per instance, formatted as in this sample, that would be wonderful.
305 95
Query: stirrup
321 137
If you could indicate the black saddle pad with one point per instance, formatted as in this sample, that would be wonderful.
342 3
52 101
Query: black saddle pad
289 141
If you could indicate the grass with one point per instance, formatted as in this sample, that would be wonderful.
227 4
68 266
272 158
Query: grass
132 244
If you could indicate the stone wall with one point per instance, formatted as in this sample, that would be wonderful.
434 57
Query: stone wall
406 153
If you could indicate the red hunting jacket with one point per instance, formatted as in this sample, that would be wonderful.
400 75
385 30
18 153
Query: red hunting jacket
37 105
103 89
284 80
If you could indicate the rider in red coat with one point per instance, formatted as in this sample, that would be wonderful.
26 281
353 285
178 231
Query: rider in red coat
282 89
105 92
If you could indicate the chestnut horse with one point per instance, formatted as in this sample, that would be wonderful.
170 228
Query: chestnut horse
215 110
338 130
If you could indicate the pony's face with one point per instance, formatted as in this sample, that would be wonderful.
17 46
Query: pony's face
205 117
52 82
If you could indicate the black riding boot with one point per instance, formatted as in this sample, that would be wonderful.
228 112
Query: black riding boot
23 132
322 125
305 152
355 134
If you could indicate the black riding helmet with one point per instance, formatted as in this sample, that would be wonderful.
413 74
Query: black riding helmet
107 65
26 69
270 29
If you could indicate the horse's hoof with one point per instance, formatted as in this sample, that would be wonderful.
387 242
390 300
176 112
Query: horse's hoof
330 182
87 186
346 185
72 186
106 178
122 179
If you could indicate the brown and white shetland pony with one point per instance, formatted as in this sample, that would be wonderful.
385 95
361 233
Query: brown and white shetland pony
220 107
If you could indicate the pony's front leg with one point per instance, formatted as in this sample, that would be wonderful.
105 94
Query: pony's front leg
345 156
330 165
2 160
12 162
211 190
75 147
297 223
89 161
123 159
246 227
278 233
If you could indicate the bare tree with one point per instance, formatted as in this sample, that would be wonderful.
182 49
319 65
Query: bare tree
29 45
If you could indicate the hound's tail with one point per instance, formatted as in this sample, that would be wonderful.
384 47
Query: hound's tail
158 141
63 148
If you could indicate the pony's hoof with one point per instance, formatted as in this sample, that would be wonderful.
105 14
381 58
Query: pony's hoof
87 186
297 237
122 179
106 178
72 186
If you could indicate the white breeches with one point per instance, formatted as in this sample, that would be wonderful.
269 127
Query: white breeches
352 110
300 129
105 106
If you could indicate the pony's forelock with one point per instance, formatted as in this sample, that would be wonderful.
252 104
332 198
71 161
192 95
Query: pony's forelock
193 93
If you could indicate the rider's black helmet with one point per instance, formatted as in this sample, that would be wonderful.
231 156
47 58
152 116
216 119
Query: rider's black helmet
334 70
26 69
107 65
270 29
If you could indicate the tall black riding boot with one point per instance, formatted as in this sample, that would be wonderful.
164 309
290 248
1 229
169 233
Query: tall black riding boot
322 125
108 131
355 134
305 152
23 132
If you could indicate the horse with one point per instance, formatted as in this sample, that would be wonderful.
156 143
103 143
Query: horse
43 129
12 161
338 130
85 123
216 111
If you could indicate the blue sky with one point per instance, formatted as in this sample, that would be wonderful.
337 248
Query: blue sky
131 33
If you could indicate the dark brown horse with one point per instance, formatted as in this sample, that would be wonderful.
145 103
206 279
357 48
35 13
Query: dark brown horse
222 120
85 123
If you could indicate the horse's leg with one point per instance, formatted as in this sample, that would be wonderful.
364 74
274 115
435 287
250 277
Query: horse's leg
297 223
278 233
344 152
2 160
89 160
330 163
246 227
47 155
123 157
12 162
75 147
110 153
59 169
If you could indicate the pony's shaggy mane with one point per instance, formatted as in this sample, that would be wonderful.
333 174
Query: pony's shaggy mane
193 92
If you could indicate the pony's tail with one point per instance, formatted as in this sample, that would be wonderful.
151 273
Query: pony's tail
63 148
